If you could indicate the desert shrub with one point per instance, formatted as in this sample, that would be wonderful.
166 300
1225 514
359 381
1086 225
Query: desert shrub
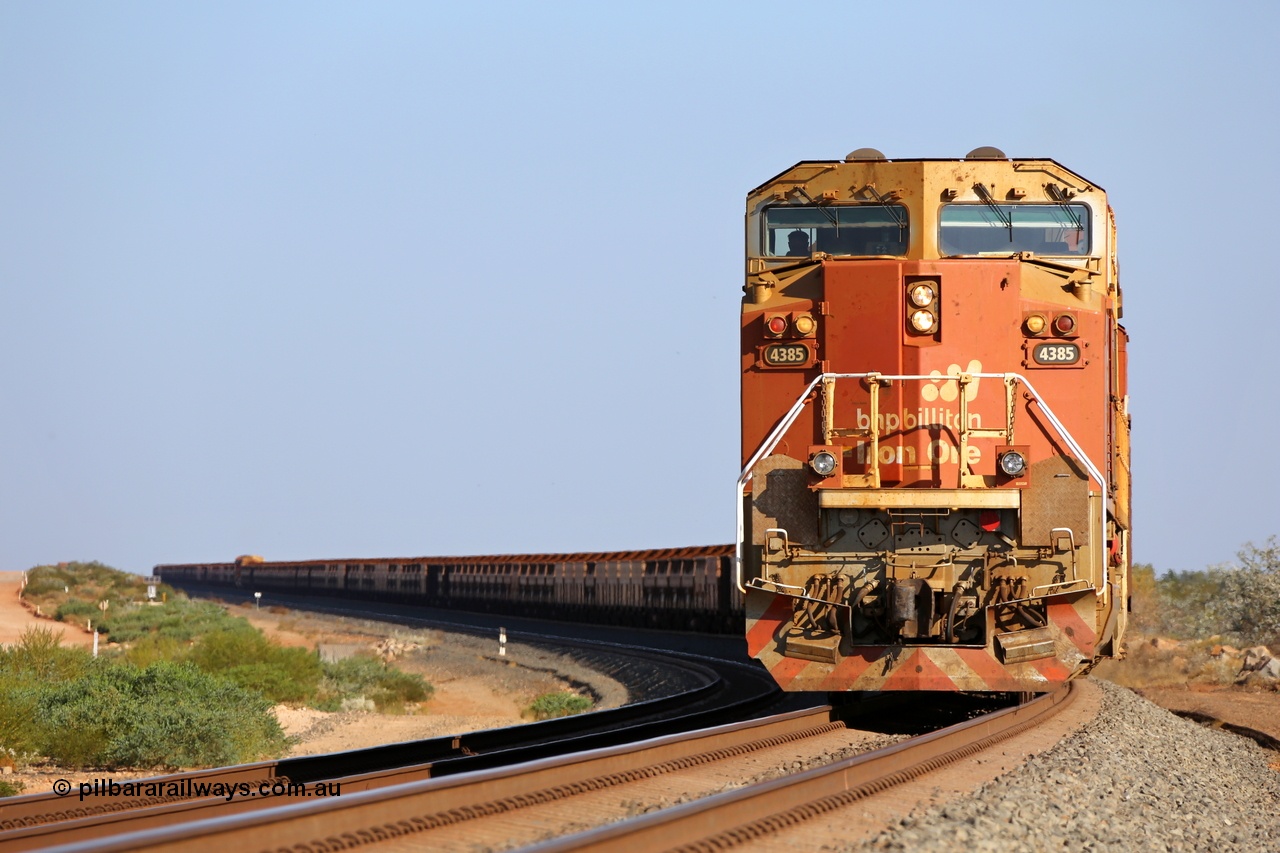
92 581
19 729
39 657
550 705
10 789
244 655
27 668
179 618
76 610
166 715
156 647
1236 602
389 688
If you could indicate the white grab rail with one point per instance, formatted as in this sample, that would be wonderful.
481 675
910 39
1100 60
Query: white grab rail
771 442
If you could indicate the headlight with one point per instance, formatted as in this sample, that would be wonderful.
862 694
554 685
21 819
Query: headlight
922 295
1012 463
923 321
823 463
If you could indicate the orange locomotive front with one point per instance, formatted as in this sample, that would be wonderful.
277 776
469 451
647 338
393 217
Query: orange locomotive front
935 486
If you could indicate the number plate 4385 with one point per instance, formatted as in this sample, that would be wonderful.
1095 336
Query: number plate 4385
1049 354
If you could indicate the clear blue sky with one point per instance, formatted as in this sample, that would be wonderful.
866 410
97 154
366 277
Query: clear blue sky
320 279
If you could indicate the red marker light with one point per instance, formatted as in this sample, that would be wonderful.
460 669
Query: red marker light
1064 324
776 325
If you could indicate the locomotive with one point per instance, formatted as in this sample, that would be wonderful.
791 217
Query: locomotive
669 588
935 486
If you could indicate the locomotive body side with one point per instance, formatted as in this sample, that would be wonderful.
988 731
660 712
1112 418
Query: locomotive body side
935 486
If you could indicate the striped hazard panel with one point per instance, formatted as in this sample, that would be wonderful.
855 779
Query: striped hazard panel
934 667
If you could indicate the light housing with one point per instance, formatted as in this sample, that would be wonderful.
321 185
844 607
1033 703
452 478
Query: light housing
922 299
826 462
923 321
804 325
823 463
1035 324
775 325
1012 463
922 294
1065 326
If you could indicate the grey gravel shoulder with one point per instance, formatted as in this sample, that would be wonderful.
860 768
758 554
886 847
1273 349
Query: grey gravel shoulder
1139 778
446 656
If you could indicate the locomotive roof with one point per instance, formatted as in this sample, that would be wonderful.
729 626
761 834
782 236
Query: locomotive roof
982 160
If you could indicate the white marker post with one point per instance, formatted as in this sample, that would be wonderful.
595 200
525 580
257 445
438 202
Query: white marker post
502 642
257 601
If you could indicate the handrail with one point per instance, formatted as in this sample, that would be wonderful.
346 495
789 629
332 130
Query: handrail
775 436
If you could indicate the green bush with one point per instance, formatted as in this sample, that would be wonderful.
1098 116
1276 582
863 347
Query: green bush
363 675
19 728
92 580
247 657
180 619
76 610
551 705
61 703
166 715
156 647
39 657
1236 602
10 789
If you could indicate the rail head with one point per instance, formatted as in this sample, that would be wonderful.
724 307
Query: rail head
755 810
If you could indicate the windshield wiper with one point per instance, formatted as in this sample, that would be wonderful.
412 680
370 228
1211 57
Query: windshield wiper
1005 219
1055 192
831 216
884 200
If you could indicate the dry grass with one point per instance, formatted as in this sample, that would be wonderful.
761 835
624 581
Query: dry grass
1160 662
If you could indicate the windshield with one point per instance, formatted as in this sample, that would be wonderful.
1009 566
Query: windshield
865 229
1046 229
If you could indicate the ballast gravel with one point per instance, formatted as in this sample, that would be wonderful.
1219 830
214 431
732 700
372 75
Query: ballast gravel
1138 778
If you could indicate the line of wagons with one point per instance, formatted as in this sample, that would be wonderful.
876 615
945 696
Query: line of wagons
673 589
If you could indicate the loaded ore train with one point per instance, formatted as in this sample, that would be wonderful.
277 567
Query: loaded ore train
935 489
674 588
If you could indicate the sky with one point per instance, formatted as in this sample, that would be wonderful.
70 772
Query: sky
321 280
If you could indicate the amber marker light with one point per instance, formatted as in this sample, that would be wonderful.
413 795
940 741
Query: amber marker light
804 324
1035 324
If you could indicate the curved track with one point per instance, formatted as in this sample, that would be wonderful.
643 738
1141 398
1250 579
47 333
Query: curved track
516 806
696 693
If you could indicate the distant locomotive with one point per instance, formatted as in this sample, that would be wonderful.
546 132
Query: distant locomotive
673 588
935 490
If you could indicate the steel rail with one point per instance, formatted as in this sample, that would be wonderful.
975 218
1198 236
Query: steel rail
22 817
765 808
413 807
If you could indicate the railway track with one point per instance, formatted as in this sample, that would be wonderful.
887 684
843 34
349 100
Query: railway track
701 693
755 812
699 773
